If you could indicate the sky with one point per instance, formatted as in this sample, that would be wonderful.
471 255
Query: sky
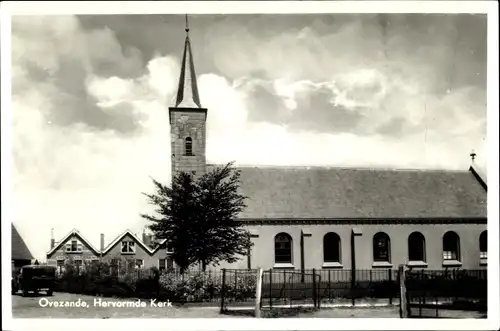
90 97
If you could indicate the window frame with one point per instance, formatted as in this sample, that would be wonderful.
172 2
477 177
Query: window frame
451 255
288 262
483 246
332 240
74 243
375 249
421 243
188 151
129 245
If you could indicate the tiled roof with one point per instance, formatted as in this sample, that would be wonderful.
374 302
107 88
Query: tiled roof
19 249
321 192
136 239
96 251
78 235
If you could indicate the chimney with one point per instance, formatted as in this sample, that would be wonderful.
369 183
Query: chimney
145 238
52 240
102 242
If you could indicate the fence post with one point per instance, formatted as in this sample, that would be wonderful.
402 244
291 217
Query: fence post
329 285
390 286
235 291
271 288
319 291
353 286
403 312
283 289
258 292
222 290
314 287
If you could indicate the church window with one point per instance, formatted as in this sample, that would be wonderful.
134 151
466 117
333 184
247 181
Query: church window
381 247
451 246
283 248
331 247
188 147
483 245
416 247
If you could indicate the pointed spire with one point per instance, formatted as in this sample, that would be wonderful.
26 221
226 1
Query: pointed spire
187 93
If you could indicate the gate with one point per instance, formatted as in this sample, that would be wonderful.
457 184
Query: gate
446 293
290 288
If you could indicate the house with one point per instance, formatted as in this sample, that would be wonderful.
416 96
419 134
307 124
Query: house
74 246
126 248
140 253
353 218
21 255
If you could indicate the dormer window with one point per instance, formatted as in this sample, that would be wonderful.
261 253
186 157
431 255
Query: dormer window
188 147
74 247
128 247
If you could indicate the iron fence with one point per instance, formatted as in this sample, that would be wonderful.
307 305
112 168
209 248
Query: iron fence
429 292
311 287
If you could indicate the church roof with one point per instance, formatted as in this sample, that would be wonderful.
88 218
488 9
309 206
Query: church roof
19 249
321 192
187 93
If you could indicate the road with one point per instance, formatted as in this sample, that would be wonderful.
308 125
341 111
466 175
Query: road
65 305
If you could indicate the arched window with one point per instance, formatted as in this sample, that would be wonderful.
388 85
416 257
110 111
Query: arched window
283 248
331 247
189 147
483 245
451 246
381 247
416 247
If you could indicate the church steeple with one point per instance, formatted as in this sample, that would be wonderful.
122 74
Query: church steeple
188 133
187 93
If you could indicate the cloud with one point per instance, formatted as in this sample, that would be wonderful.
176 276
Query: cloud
85 143
91 122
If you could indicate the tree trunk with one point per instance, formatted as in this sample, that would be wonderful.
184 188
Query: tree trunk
203 265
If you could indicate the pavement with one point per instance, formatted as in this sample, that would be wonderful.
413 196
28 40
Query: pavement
66 305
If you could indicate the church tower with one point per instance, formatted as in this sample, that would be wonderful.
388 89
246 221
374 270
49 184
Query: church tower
187 120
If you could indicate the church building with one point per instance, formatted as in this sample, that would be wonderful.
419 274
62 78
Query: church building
342 218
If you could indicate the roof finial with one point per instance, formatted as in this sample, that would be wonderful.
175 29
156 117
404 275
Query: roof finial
473 156
187 24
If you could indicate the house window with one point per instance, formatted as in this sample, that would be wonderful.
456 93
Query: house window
130 264
188 147
451 246
139 263
74 247
483 245
331 247
161 264
170 263
381 247
128 247
283 248
416 247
